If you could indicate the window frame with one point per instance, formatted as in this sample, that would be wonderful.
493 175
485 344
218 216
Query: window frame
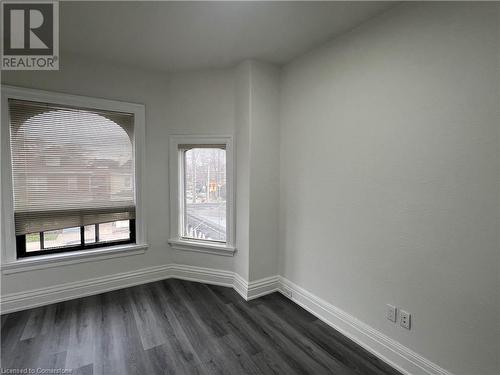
21 243
9 256
176 174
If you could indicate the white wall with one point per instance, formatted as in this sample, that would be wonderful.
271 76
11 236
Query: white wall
242 94
198 103
390 178
257 169
264 171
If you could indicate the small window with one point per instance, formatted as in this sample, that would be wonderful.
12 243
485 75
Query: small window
72 171
201 175
204 194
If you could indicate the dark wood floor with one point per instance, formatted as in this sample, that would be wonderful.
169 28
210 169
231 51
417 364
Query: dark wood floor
180 327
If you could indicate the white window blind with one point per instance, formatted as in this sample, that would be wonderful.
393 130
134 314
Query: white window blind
71 166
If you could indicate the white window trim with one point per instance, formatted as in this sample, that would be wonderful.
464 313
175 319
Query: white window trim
175 176
8 252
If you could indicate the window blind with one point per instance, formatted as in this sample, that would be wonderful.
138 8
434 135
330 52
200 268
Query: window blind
71 166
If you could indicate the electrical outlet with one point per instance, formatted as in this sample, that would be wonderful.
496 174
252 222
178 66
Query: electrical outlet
405 319
391 313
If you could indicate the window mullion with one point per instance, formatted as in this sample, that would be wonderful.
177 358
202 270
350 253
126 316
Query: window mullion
82 236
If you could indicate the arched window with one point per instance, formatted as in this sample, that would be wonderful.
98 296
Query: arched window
73 171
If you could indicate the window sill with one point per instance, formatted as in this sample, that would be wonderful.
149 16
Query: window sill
62 259
202 247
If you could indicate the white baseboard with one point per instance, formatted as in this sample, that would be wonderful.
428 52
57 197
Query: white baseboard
62 292
241 286
255 289
262 287
385 348
382 346
201 274
45 296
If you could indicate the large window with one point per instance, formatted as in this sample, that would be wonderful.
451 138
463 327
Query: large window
201 194
73 172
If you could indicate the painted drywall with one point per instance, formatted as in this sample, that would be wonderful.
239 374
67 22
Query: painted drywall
187 103
264 170
242 94
389 178
257 169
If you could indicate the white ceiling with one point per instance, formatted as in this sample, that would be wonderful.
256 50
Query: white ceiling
174 36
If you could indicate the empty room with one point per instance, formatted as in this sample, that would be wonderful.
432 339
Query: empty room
250 187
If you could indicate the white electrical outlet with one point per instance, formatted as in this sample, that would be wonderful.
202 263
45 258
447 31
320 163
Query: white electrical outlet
405 319
391 313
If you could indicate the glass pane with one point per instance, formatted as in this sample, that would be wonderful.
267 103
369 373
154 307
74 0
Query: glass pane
205 194
61 237
33 242
115 231
89 233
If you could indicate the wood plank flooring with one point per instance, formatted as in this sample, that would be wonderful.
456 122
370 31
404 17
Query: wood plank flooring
180 327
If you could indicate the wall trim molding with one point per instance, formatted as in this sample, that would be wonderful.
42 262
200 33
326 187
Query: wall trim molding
255 289
44 296
261 287
390 351
201 274
62 292
382 346
199 247
240 285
